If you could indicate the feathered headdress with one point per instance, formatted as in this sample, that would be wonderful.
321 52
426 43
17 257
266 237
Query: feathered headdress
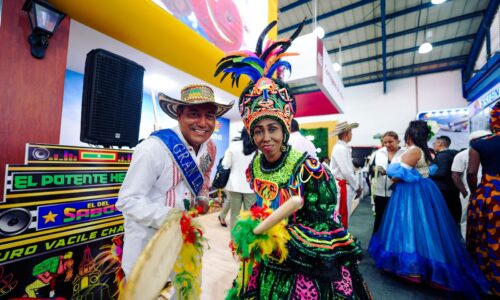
265 96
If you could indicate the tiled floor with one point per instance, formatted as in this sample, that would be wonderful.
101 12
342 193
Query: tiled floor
219 268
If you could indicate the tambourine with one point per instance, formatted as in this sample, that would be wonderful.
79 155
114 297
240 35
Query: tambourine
155 264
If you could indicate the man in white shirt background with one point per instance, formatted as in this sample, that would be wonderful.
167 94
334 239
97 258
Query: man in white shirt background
299 142
459 175
169 169
342 168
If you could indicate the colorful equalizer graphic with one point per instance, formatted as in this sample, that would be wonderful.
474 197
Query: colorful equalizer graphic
52 154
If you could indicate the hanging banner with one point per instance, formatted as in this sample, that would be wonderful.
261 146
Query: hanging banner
228 24
453 123
60 232
220 137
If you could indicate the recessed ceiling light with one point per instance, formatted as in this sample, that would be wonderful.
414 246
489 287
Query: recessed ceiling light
438 1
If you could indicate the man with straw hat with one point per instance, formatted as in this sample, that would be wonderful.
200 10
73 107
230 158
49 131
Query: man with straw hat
170 169
343 169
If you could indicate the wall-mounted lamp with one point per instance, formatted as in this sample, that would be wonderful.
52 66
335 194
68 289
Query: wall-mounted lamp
44 19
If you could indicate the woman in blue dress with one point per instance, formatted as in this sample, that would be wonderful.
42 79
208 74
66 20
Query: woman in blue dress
418 239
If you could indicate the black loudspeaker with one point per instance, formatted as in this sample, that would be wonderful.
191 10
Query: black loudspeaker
112 100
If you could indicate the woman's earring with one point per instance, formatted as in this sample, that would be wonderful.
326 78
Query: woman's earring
283 148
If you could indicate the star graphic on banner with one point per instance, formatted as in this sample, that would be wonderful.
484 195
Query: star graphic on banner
50 217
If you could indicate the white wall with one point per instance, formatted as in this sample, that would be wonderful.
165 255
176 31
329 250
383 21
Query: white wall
377 112
440 90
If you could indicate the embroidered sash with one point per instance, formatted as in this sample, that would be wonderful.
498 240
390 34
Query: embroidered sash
182 158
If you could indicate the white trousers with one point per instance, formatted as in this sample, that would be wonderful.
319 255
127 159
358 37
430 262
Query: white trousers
463 220
351 193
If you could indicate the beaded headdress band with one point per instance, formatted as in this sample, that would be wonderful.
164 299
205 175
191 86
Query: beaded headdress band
265 96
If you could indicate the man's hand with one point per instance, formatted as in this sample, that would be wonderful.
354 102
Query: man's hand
381 170
358 192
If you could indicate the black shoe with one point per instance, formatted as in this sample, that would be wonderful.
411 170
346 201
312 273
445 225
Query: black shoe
222 221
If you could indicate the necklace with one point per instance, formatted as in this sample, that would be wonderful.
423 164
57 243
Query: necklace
281 170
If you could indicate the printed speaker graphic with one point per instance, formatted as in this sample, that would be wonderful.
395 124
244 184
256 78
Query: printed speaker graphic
14 221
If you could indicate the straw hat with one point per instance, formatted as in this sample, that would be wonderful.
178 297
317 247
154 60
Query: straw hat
478 134
194 94
343 127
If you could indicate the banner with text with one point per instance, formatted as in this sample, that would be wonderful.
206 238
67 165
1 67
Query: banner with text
60 232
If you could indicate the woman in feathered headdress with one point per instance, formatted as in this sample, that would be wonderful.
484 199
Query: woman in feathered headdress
309 255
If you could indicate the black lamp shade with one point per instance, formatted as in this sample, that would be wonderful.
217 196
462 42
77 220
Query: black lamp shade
43 17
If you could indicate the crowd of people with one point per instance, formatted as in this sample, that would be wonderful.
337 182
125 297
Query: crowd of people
420 200
436 201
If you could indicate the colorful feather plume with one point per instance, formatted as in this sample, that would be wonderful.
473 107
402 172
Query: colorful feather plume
187 280
255 249
263 63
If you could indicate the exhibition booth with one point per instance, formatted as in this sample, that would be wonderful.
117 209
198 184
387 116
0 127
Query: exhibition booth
60 232
58 207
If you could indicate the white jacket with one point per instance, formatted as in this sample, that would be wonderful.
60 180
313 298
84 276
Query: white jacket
238 162
382 184
301 144
152 186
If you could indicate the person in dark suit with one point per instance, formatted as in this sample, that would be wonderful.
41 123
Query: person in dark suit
442 177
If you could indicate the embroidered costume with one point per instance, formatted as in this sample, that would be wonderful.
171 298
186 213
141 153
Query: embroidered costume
309 255
322 256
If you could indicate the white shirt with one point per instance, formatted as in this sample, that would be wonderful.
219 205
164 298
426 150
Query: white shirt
460 164
341 164
380 158
238 162
152 186
301 144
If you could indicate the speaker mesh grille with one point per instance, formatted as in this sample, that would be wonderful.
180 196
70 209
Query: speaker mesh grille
112 100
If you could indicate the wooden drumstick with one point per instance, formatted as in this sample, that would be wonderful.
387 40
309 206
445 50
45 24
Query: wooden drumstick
285 210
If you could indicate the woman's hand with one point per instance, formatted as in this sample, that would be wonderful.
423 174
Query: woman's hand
202 205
